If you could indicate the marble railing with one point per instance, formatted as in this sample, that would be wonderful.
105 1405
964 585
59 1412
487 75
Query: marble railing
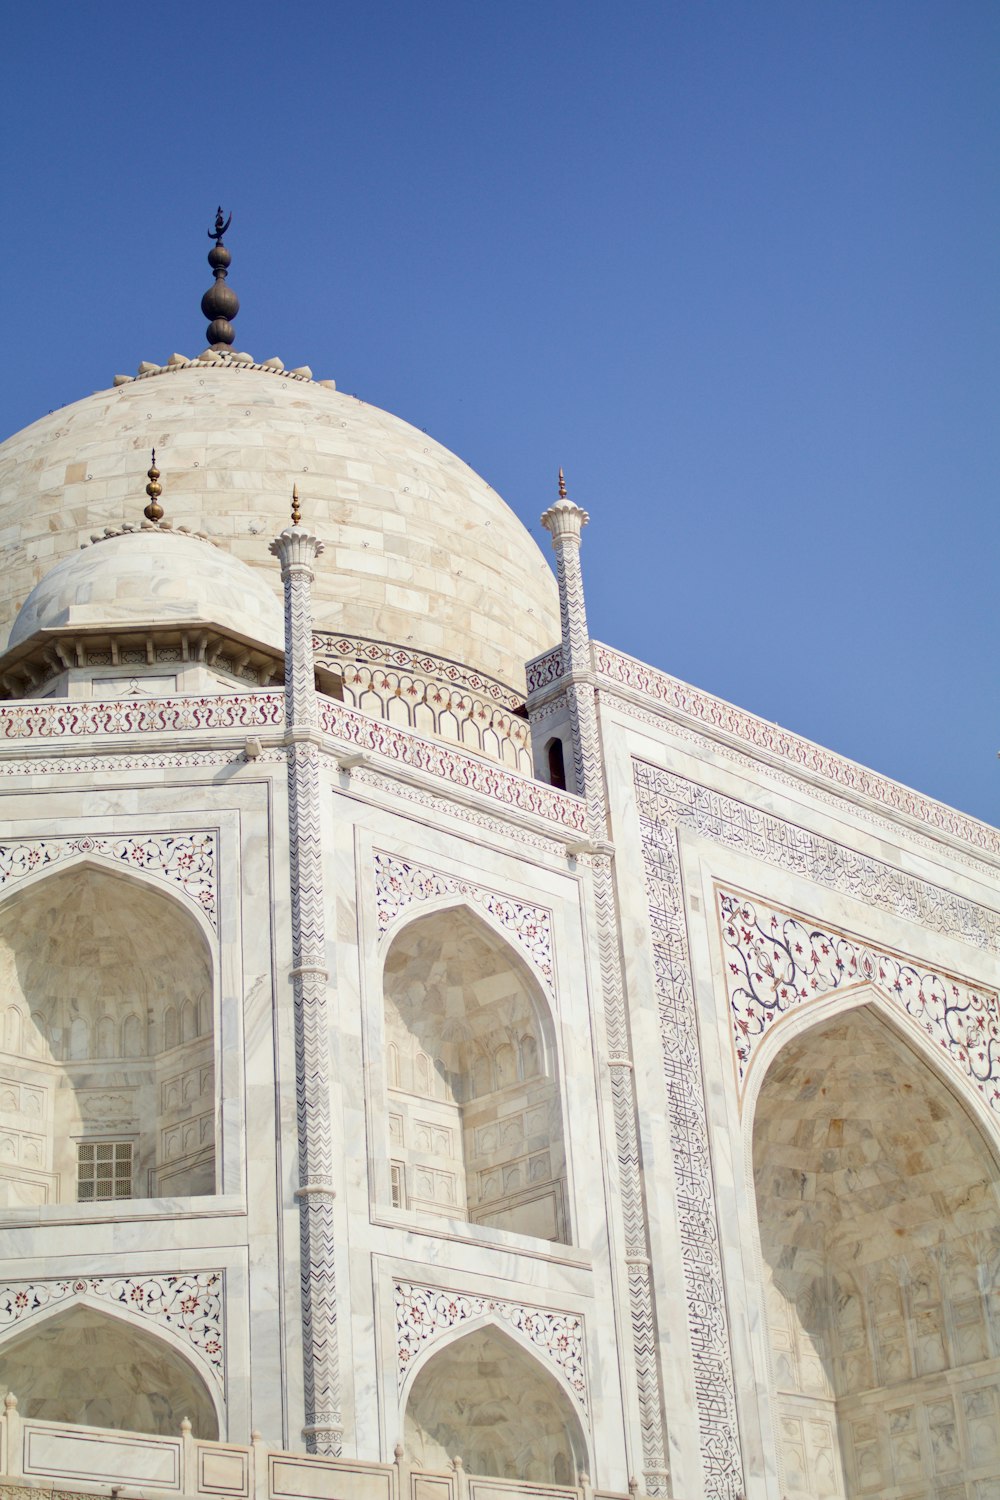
53 1459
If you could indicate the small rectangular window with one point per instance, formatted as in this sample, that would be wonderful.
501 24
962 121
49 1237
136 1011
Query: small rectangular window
103 1170
397 1181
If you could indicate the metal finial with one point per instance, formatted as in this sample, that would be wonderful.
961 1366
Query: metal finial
296 513
220 227
220 303
154 489
562 485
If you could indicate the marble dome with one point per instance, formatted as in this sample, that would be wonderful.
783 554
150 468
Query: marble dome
152 577
420 551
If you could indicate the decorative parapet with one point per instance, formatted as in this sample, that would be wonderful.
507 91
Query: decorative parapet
56 1460
38 720
777 963
461 771
337 650
186 860
543 670
800 754
399 884
425 1314
431 695
41 721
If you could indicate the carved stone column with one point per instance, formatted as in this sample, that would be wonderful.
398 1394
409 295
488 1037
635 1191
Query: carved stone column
565 521
296 548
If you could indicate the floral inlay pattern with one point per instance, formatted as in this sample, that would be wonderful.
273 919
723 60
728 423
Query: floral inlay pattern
190 1306
187 860
425 1313
398 884
777 962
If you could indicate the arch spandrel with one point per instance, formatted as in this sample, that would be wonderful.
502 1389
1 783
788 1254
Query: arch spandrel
780 965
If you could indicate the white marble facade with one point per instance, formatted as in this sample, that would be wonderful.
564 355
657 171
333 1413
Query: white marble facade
644 1133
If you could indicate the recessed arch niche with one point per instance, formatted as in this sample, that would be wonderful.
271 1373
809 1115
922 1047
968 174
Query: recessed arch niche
474 1112
879 1214
486 1400
106 1048
87 1367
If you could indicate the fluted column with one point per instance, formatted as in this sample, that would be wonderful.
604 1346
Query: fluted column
565 521
296 549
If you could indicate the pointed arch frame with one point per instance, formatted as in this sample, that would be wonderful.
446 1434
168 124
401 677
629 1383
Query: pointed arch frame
213 1384
451 1337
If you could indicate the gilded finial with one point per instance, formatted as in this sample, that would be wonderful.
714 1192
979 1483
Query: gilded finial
296 513
154 489
562 485
220 302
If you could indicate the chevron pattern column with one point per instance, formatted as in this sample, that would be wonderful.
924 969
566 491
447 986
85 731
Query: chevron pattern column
565 521
296 548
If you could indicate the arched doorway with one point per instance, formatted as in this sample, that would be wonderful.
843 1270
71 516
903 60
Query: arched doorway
475 1122
879 1212
107 1086
486 1400
84 1366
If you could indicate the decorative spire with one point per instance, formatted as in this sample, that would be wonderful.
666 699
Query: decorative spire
562 485
154 489
220 303
296 513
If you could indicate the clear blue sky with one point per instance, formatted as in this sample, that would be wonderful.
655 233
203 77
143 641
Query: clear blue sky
734 265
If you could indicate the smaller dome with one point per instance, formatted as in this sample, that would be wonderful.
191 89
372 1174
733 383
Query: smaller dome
152 577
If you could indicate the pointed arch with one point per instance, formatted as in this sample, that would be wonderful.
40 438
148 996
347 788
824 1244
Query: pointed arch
89 953
484 1395
105 865
876 1176
91 1364
481 1136
796 1023
539 983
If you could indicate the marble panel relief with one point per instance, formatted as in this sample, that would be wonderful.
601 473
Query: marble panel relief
777 962
190 1306
425 1315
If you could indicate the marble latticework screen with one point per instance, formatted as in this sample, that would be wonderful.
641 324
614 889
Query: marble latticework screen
667 803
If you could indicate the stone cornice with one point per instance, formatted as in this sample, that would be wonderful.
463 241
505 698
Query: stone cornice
669 698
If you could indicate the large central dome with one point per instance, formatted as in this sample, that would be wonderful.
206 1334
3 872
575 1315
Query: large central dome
420 551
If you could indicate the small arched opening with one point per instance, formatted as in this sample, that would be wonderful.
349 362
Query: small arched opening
86 1367
555 761
475 1120
879 1213
486 1400
104 1094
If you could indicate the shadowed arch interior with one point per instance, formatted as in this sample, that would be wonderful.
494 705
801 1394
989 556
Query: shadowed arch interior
84 1366
106 1053
488 1401
879 1214
475 1122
